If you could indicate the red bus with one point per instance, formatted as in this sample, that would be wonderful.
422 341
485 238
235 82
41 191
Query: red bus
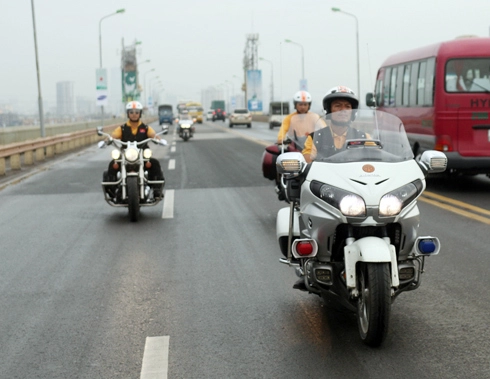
441 93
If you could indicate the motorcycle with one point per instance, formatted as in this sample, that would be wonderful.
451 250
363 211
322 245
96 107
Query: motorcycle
132 189
351 230
186 129
301 126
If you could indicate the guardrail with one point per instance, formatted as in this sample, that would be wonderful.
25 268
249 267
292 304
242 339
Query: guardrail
16 155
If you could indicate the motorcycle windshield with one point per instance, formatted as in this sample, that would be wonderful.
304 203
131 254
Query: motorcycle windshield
302 125
361 135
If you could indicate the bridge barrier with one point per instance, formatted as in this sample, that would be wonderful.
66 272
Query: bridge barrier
16 155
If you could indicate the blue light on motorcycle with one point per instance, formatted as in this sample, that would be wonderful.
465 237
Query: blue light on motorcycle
427 246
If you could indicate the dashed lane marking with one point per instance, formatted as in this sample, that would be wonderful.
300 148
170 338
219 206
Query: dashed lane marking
171 164
155 358
168 204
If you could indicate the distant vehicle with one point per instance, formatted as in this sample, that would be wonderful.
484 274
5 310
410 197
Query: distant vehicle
440 92
240 117
219 114
217 104
195 110
165 114
209 115
277 111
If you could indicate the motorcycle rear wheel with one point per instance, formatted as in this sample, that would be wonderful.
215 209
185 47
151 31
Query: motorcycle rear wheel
374 303
133 198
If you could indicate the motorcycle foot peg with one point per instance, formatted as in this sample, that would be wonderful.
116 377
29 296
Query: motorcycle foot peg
288 262
299 272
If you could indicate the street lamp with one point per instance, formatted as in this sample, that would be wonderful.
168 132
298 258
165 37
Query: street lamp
357 44
100 33
40 99
145 90
239 83
302 60
150 92
232 93
272 77
100 51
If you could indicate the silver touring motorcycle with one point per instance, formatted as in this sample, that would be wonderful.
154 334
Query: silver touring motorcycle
351 228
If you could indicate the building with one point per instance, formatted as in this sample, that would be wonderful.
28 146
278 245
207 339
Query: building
65 99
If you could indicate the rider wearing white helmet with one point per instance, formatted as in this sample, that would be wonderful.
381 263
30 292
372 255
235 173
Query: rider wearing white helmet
135 130
302 105
341 104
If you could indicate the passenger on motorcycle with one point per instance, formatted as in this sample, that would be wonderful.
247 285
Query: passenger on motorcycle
302 119
135 130
341 102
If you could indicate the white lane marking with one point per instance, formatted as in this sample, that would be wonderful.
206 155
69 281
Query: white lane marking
172 149
174 143
155 358
171 164
168 204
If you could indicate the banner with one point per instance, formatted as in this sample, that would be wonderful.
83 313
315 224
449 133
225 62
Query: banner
101 87
254 90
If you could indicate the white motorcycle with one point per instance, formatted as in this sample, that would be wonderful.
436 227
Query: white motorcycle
351 230
132 189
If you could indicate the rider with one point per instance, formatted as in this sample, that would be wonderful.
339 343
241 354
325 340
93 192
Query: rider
302 105
341 102
135 130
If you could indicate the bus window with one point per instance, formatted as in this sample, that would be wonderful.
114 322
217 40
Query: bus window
467 75
421 83
399 86
429 81
414 76
406 84
392 87
386 92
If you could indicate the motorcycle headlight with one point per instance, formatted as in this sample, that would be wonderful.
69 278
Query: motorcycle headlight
346 202
115 154
131 154
147 153
393 202
185 126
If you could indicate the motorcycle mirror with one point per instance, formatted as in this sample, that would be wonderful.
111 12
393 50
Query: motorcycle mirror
99 130
162 142
101 144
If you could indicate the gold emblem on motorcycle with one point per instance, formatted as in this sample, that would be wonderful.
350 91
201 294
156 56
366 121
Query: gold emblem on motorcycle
368 168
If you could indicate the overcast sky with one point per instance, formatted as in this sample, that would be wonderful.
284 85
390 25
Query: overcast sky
194 44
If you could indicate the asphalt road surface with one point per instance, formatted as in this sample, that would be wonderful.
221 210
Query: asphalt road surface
195 289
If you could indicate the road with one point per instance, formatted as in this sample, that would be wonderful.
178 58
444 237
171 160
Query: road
196 288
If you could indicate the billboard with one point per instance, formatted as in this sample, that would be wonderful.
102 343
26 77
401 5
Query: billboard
129 79
254 90
101 87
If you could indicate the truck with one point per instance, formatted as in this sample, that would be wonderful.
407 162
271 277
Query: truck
277 111
165 114
218 104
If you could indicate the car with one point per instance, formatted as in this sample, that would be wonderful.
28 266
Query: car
240 117
209 115
219 114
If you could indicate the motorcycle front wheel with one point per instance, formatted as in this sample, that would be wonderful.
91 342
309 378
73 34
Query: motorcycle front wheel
374 303
133 198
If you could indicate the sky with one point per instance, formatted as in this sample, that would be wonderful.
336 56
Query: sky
196 44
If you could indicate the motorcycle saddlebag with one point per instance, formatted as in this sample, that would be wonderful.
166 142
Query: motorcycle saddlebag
269 159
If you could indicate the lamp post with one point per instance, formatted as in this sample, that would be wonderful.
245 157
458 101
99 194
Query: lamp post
272 77
40 99
357 48
100 33
100 51
239 82
145 90
302 62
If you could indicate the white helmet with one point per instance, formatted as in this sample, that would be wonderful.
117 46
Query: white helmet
302 97
134 105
